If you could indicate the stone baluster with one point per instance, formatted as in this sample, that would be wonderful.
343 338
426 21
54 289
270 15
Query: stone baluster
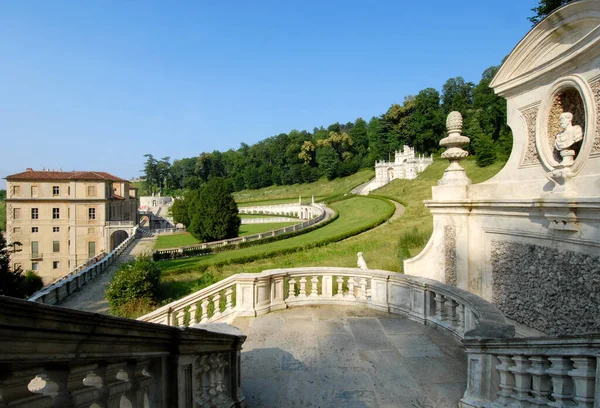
314 287
562 384
193 318
507 380
204 306
522 380
452 305
340 287
292 288
584 378
228 299
53 383
440 310
180 317
362 289
351 294
541 384
217 306
302 293
460 314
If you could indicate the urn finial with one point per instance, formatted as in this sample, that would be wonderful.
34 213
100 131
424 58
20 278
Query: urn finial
454 174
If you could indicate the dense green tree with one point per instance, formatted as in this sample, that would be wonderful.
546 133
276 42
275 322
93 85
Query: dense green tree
545 8
328 161
426 125
457 95
213 212
15 282
179 210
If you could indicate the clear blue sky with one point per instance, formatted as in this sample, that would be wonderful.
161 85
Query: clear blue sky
93 85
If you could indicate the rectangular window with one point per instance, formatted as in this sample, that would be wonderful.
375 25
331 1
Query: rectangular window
55 229
91 191
16 213
17 190
55 190
55 213
55 246
16 230
34 249
91 249
34 191
34 229
35 266
55 264
69 190
34 213
91 213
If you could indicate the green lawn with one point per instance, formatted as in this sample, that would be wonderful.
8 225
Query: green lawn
384 247
182 276
185 238
320 189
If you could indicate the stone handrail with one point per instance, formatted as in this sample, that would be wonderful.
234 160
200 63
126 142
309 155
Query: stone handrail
268 220
535 371
179 251
423 300
65 286
57 357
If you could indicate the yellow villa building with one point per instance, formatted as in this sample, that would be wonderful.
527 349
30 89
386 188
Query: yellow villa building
62 219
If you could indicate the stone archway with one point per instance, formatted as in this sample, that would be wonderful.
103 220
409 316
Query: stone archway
117 237
390 173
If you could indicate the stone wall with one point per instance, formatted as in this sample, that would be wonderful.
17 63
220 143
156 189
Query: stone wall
557 292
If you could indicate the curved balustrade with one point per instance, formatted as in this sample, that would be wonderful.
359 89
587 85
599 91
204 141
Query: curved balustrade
423 300
180 252
64 358
301 211
65 286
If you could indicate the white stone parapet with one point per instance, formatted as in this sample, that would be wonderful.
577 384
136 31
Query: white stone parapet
249 294
301 211
68 284
322 216
64 358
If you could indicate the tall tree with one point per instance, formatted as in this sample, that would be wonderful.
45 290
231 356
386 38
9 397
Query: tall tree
545 8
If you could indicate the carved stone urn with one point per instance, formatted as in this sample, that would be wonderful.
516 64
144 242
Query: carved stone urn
454 174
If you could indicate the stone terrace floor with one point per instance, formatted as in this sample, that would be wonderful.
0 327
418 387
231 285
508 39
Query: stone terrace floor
338 356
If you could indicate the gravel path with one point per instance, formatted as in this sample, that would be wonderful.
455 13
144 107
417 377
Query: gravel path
91 296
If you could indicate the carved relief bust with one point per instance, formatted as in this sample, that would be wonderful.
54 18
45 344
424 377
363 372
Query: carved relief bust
566 139
569 134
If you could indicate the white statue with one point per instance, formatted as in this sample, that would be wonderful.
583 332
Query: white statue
361 262
569 134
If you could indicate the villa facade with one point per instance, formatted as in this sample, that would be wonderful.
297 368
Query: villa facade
62 219
405 166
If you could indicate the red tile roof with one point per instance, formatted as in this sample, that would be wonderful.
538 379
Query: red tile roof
64 175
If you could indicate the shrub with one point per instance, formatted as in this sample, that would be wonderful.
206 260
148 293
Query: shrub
136 281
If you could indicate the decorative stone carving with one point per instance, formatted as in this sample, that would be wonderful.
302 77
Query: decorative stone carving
42 384
454 174
361 263
556 292
568 128
450 255
595 86
531 154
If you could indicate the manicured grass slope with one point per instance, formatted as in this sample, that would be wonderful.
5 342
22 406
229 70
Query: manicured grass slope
185 238
181 276
320 189
384 247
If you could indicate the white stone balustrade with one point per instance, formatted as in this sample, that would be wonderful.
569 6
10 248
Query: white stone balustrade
68 284
56 357
533 372
179 252
302 211
421 299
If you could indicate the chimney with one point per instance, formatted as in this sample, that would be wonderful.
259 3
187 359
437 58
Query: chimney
28 169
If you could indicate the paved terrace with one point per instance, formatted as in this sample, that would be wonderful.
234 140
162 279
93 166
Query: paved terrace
345 356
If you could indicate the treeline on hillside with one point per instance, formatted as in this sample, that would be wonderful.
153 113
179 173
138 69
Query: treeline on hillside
342 149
